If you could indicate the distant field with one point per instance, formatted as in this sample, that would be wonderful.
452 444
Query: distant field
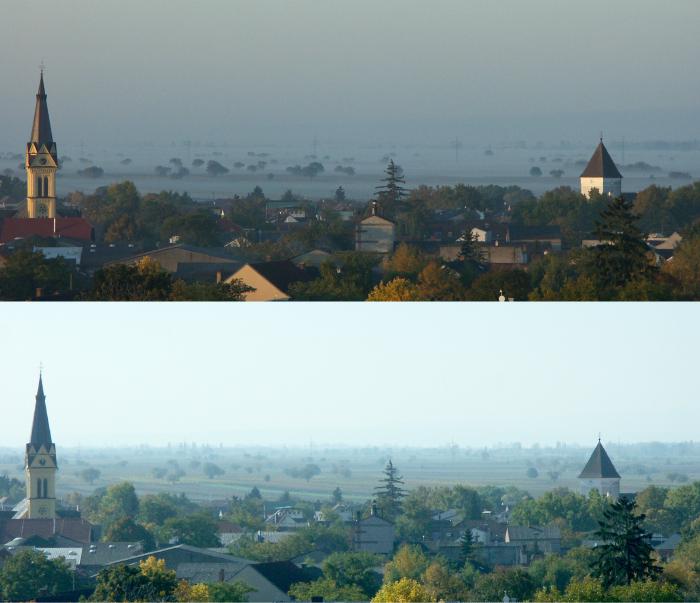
356 471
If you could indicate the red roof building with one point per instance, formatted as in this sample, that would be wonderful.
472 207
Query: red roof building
46 228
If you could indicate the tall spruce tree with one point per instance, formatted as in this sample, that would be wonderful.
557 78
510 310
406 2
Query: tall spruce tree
622 255
390 493
626 554
391 191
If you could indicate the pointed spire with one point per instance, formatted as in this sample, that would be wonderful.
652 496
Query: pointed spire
41 127
601 165
41 433
599 465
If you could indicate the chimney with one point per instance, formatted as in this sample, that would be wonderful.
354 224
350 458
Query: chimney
54 227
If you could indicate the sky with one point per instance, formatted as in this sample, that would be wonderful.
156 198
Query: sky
405 71
354 374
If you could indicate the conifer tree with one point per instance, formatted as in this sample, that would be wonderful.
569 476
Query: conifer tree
390 493
622 255
625 555
391 192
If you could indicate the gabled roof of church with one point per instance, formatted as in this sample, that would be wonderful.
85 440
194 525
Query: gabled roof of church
599 465
601 164
41 127
41 433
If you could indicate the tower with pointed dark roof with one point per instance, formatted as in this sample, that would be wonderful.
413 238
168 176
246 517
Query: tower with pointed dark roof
601 174
600 474
41 161
40 464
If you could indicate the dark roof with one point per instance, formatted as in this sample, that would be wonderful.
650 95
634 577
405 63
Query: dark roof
77 530
46 228
601 165
283 273
599 465
41 433
41 127
281 573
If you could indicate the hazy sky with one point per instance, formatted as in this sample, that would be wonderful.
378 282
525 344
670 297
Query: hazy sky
417 374
271 71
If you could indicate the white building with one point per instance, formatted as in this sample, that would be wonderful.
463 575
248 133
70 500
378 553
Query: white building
602 174
375 234
600 474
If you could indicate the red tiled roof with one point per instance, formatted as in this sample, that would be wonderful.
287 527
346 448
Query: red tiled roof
72 228
72 528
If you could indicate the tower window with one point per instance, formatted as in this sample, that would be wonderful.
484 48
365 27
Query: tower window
46 186
38 488
38 186
46 488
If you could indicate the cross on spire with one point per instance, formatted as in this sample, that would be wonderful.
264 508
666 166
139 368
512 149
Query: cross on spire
42 67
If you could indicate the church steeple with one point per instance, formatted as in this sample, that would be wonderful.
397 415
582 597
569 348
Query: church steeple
40 464
41 127
41 161
41 432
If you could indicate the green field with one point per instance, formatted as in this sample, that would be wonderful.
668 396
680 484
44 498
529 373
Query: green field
357 470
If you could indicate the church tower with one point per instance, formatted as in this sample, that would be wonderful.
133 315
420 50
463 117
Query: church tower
600 474
40 464
41 161
601 174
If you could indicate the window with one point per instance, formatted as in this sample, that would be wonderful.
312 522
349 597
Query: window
46 488
46 186
38 488
37 193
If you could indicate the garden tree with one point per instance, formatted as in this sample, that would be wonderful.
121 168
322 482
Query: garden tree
337 495
12 488
150 581
119 502
146 281
342 281
467 554
13 187
406 261
685 268
625 554
408 562
204 291
327 590
683 505
647 590
439 283
198 227
556 571
487 287
390 493
90 474
154 509
156 209
214 168
651 206
26 271
397 289
684 569
579 512
329 539
28 574
514 582
590 589
126 529
196 529
442 584
184 591
354 569
651 501
212 470
684 204
229 592
248 212
622 256
471 260
392 191
405 590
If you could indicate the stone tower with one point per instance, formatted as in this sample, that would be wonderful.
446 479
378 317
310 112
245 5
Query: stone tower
602 174
41 161
40 464
600 474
